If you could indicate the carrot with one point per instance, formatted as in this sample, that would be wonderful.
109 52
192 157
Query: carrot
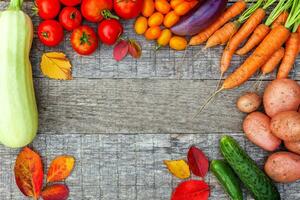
222 35
233 11
272 63
240 36
291 52
278 16
272 42
298 31
281 19
258 35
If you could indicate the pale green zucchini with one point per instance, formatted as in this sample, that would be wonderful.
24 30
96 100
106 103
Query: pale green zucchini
18 110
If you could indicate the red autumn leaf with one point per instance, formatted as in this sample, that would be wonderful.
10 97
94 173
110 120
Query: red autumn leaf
197 161
191 190
121 50
55 192
60 168
134 49
29 173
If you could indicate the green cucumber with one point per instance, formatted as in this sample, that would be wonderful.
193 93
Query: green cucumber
255 180
228 179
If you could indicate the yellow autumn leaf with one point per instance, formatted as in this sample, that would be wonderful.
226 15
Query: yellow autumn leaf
178 168
56 65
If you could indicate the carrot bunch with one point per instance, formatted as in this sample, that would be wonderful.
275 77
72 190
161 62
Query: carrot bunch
158 16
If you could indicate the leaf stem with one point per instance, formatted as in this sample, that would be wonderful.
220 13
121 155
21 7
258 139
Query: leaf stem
280 7
249 11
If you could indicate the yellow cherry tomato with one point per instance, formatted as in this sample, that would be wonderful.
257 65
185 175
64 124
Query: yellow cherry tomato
164 38
175 3
152 33
141 25
171 19
162 6
183 8
178 43
156 19
148 8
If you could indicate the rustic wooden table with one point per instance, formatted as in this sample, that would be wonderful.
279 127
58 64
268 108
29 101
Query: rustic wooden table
121 120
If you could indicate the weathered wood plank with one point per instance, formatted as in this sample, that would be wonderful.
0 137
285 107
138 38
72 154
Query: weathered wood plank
126 167
199 63
135 106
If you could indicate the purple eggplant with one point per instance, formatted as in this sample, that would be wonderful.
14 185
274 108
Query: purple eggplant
199 18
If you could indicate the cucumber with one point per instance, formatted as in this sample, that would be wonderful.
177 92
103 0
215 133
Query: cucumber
228 179
255 180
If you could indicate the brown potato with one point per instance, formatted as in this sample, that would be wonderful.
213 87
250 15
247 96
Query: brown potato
257 129
286 126
283 167
293 146
248 102
281 95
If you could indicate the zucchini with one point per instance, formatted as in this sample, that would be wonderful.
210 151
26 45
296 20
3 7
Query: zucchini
228 179
19 116
255 180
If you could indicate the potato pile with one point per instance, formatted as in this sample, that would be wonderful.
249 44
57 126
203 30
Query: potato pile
280 122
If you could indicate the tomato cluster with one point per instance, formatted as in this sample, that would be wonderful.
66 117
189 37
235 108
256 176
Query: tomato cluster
69 14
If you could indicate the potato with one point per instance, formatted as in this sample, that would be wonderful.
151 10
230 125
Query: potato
293 146
248 102
286 126
283 167
281 95
257 129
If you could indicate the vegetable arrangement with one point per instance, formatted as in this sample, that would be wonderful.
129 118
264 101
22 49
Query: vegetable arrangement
65 14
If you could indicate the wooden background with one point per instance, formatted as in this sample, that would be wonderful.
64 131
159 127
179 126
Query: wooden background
121 120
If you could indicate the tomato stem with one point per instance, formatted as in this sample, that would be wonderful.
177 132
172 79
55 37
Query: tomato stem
108 15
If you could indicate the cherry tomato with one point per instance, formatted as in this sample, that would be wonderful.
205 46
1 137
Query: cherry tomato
48 9
70 2
70 18
50 32
109 30
92 10
84 40
128 9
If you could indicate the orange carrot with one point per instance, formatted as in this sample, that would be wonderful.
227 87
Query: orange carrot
257 36
233 11
240 36
222 35
298 31
272 42
291 52
272 63
281 19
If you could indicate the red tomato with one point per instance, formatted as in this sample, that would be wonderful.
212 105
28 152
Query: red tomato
84 40
50 32
48 9
70 2
128 9
109 30
70 18
92 10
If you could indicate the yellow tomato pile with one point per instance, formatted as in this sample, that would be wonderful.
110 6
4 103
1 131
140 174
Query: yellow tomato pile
158 16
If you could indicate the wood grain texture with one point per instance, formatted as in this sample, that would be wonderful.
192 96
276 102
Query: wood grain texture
126 167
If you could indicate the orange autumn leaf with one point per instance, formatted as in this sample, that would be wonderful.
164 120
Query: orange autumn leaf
56 65
29 173
55 192
178 168
60 168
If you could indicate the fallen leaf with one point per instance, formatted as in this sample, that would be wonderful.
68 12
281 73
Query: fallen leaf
191 190
55 192
134 49
121 50
197 161
56 65
60 168
178 168
29 173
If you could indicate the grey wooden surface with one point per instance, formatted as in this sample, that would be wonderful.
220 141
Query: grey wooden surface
121 120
